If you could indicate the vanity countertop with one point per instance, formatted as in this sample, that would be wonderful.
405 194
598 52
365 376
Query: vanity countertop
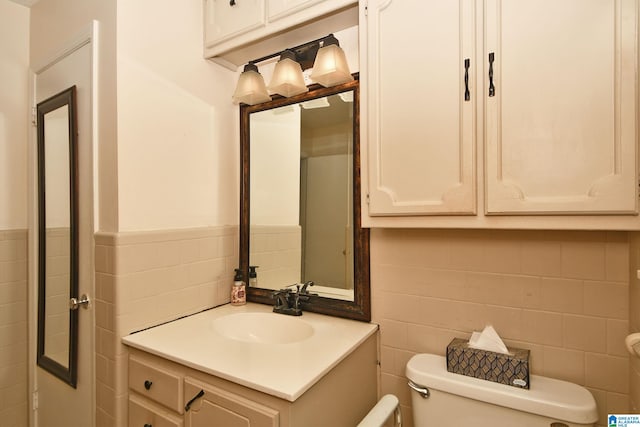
282 369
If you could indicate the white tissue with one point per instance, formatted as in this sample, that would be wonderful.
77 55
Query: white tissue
488 340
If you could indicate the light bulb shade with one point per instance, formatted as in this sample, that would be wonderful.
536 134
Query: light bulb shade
330 67
251 88
287 78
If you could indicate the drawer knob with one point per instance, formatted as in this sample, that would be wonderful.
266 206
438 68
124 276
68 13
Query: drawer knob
148 425
147 385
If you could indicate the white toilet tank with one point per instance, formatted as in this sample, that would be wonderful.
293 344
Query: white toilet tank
460 401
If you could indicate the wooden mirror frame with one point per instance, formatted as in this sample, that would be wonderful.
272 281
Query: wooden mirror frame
68 374
360 307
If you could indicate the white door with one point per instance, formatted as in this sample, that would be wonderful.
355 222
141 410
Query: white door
421 117
560 126
59 404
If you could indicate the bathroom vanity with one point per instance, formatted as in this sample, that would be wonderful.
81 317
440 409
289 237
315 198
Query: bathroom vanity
246 366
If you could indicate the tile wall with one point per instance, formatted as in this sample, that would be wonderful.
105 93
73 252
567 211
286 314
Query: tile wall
13 328
148 278
563 295
276 249
634 320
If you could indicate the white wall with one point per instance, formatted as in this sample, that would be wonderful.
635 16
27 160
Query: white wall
54 25
275 167
14 113
177 128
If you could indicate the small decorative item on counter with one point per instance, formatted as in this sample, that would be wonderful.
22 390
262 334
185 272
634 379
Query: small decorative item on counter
253 276
238 290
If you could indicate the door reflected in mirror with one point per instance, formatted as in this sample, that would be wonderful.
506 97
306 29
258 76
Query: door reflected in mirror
57 235
300 207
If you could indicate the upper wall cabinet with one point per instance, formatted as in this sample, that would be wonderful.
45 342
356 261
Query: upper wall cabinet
421 112
504 113
561 117
231 18
237 31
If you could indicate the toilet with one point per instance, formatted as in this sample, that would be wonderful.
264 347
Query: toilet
442 398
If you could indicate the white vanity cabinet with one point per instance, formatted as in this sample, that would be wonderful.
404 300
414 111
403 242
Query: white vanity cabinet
236 31
160 391
548 128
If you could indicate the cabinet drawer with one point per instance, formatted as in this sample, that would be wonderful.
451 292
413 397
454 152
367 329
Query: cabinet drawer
156 383
219 407
142 414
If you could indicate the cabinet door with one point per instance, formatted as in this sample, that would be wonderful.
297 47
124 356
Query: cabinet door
277 9
421 129
225 19
219 407
560 129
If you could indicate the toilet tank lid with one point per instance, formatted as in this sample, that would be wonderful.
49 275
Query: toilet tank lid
549 397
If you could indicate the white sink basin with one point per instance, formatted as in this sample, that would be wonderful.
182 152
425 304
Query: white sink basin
267 328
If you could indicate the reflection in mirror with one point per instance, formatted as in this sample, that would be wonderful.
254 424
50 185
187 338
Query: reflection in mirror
300 213
57 239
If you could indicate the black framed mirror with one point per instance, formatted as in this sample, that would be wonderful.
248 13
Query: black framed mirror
57 235
300 200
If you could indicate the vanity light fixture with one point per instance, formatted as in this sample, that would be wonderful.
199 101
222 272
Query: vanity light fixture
330 67
251 88
287 77
329 64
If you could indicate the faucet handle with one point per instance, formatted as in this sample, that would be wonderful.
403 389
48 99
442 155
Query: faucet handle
304 288
282 297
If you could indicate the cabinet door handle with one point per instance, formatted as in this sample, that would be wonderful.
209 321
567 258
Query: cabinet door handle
467 94
232 2
492 88
193 399
147 384
148 425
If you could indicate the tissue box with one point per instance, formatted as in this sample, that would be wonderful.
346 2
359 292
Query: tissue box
510 369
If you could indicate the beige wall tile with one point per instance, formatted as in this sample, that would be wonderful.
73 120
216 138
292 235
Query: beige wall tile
567 365
634 390
585 333
617 256
585 258
562 295
606 299
542 290
429 339
541 327
617 403
393 334
607 372
542 258
13 328
148 278
617 331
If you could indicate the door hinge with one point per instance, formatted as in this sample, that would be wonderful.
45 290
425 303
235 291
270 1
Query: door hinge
34 401
34 123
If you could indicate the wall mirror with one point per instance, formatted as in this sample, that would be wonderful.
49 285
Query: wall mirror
57 235
300 200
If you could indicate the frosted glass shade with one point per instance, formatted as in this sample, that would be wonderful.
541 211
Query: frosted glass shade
251 88
330 67
287 78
